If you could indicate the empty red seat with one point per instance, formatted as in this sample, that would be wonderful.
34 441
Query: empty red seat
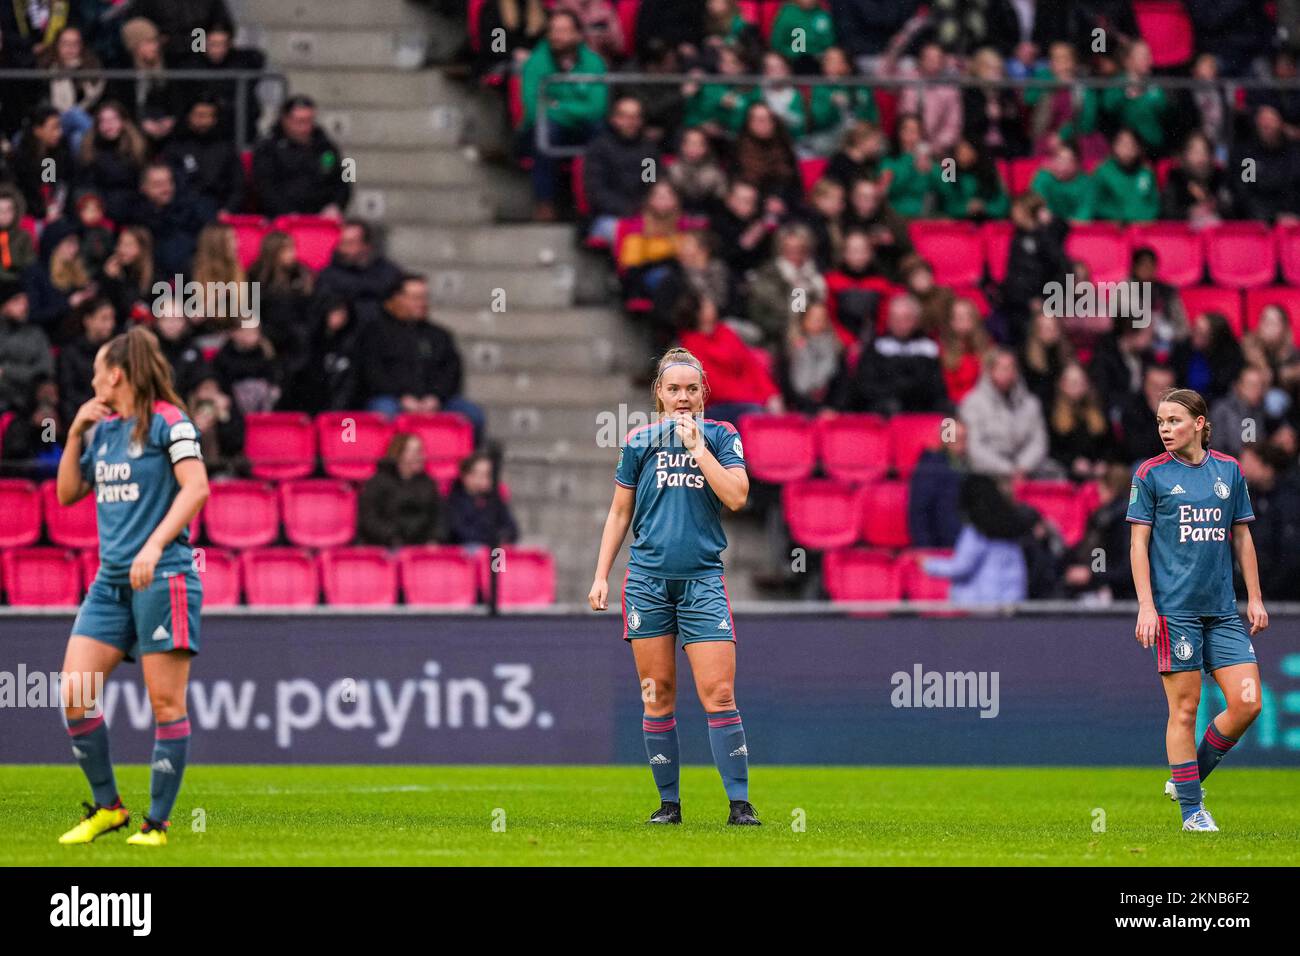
432 574
884 514
1180 250
954 250
280 576
627 11
811 170
448 439
280 445
1209 298
42 576
1060 503
318 512
351 443
1022 173
1280 295
778 448
910 434
861 574
525 576
997 234
580 201
917 584
1241 255
219 571
71 526
20 513
1288 252
821 513
314 236
853 447
242 514
1167 29
362 575
1103 246
250 230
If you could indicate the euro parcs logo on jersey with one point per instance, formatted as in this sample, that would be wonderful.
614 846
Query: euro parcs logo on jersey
1221 488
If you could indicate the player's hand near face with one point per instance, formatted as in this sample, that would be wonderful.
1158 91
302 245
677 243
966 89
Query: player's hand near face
143 565
1147 624
89 415
599 596
1257 616
688 431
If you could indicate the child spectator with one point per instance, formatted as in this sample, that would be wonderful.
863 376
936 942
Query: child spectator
697 176
815 358
399 503
1108 530
476 514
644 255
909 168
17 251
334 366
1078 431
1124 186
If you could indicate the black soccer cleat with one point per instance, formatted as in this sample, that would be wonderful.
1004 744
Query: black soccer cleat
668 812
743 814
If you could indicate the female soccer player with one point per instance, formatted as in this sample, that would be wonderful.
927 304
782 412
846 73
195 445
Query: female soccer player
673 477
1190 509
134 447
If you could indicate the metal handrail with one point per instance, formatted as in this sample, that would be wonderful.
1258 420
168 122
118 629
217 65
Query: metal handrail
241 78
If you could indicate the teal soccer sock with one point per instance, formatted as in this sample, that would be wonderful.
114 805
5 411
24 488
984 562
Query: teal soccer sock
730 753
166 767
90 747
661 750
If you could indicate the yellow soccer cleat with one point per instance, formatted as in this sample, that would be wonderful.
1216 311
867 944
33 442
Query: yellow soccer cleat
97 822
148 836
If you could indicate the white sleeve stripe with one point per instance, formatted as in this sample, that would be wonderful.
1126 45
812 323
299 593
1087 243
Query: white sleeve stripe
187 448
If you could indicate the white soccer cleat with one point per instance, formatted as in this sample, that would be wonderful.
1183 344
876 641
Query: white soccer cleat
1201 821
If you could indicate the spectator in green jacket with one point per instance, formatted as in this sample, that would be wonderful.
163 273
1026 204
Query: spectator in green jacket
572 112
909 168
1064 185
1138 107
971 190
1124 186
802 32
834 109
719 108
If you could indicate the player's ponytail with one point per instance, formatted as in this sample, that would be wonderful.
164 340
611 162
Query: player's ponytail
1191 400
677 356
147 372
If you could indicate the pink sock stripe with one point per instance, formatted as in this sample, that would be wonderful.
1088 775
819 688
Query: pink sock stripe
85 726
723 721
658 728
1184 774
1217 740
180 728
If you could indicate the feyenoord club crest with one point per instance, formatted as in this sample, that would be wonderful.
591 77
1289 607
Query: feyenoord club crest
633 619
1183 649
1221 488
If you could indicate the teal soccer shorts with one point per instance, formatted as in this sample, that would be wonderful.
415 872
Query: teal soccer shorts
695 609
162 617
1192 642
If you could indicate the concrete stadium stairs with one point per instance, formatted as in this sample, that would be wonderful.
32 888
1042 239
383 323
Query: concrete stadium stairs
560 353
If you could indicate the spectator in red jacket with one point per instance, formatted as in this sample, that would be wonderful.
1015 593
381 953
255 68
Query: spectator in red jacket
738 382
963 341
857 293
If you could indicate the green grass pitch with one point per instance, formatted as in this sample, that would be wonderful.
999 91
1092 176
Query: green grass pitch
431 816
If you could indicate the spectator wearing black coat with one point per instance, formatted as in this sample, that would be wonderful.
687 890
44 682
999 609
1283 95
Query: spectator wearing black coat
151 97
1210 358
1140 439
400 504
248 370
673 23
1237 32
178 19
900 371
297 168
934 491
475 513
42 151
33 441
1101 560
24 350
614 173
865 27
357 273
1120 361
221 427
58 281
332 382
1274 190
176 341
1036 258
171 217
76 365
744 230
111 158
204 160
409 364
222 55
1275 498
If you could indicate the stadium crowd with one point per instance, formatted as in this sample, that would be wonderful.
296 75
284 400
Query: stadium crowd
776 235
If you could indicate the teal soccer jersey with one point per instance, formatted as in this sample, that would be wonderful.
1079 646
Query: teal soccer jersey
134 487
1191 510
677 521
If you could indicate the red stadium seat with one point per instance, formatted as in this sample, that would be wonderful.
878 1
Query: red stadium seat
853 447
1167 28
997 235
20 513
49 577
821 513
917 584
443 576
953 249
1179 249
1103 246
5 419
1163 167
811 170
73 526
448 438
242 514
1241 255
778 448
526 576
318 512
28 225
1284 296
577 171
351 443
861 574
314 236
280 445
1209 298
219 571
1288 252
1059 502
1022 172
627 11
362 575
280 576
90 566
250 230
909 435
473 16
884 514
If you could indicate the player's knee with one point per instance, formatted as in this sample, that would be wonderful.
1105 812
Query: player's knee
659 695
1246 710
1183 712
167 707
719 695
